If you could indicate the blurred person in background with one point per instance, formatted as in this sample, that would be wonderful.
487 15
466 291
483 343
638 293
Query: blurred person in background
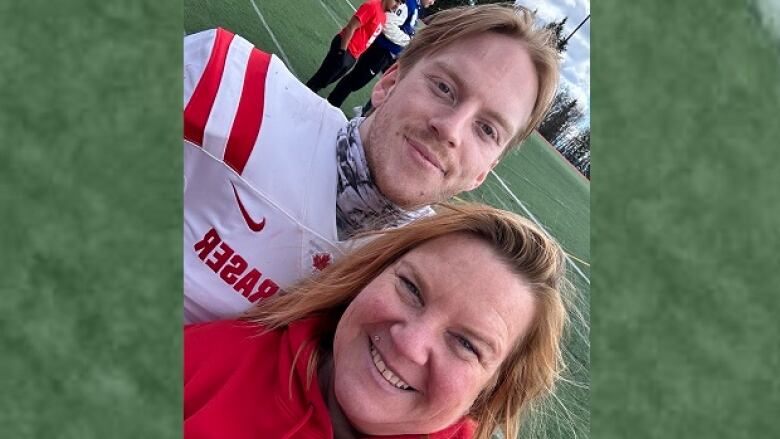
398 30
349 44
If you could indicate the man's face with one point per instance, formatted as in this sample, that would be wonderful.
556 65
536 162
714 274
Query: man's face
438 130
392 5
426 3
420 342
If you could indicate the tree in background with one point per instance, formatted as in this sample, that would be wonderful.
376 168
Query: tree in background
441 5
561 127
576 149
557 28
563 115
446 4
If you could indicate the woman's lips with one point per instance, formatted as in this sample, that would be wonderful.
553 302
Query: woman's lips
388 375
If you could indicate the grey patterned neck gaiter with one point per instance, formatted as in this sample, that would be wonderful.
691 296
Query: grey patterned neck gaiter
359 204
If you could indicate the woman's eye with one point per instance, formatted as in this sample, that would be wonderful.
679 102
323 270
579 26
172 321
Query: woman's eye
412 289
467 345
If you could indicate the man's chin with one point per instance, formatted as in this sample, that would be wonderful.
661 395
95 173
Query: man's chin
408 196
411 200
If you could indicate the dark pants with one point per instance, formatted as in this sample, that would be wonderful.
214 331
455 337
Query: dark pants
374 60
334 66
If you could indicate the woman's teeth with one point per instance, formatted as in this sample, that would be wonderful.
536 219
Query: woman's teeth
386 372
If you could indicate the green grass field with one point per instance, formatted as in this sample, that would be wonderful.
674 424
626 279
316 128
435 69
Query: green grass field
533 181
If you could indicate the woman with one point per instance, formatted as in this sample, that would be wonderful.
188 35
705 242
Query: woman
448 327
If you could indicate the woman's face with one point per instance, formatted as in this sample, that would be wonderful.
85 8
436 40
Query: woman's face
415 348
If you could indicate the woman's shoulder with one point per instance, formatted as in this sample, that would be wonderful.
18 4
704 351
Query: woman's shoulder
221 329
220 336
227 334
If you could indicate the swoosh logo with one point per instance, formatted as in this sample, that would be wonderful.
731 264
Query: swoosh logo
253 226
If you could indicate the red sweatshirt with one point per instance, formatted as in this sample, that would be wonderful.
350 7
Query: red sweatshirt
238 384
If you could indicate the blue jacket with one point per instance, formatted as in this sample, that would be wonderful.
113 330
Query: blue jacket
408 27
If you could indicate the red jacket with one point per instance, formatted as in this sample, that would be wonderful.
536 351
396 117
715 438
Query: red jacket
238 384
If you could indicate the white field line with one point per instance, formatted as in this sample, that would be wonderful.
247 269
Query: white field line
533 218
332 15
273 37
351 5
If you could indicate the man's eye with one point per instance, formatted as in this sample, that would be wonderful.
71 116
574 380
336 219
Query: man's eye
412 289
488 131
444 88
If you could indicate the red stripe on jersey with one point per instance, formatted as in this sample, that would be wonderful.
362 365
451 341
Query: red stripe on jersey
249 116
199 107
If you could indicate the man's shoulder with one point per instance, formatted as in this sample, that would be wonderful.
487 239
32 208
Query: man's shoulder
292 102
233 66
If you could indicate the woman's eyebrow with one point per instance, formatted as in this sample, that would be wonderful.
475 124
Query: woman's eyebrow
411 267
490 342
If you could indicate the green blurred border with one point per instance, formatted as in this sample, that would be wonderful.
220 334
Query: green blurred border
90 189
686 100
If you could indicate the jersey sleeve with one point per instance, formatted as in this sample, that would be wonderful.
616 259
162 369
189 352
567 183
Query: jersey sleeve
224 89
197 49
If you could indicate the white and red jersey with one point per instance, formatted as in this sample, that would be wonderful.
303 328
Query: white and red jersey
259 177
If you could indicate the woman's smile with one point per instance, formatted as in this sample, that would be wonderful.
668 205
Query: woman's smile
384 371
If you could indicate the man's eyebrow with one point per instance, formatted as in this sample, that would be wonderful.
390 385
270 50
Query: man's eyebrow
492 114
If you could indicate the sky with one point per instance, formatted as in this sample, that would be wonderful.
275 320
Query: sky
575 73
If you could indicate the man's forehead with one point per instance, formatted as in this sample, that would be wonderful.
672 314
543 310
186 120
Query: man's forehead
481 45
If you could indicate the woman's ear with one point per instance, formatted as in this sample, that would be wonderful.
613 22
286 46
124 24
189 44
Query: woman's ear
384 86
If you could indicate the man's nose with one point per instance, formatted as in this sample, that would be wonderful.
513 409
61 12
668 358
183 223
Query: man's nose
452 125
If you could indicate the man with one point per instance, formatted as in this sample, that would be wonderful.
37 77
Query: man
277 180
351 42
400 27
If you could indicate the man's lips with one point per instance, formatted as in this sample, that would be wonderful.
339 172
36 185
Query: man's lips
426 154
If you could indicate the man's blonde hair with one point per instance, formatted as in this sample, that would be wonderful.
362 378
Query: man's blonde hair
452 25
532 366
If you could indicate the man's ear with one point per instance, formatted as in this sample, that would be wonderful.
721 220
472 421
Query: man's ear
384 86
482 176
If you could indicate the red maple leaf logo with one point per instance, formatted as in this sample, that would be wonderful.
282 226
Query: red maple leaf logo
321 260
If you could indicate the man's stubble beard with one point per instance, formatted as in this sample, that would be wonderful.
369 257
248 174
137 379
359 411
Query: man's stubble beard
376 156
